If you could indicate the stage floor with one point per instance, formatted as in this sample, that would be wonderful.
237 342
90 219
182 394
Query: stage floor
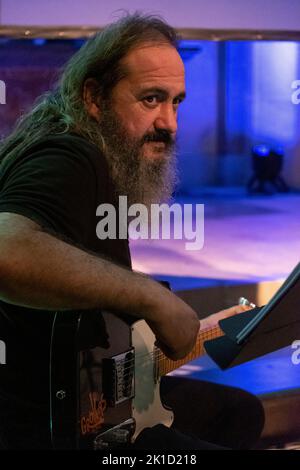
248 239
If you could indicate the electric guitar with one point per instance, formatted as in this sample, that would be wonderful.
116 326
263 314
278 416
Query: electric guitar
104 379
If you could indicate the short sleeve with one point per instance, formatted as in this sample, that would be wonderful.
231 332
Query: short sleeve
53 184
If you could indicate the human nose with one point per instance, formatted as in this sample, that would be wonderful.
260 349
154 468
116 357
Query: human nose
167 118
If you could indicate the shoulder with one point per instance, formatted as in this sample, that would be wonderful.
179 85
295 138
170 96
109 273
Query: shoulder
69 144
60 151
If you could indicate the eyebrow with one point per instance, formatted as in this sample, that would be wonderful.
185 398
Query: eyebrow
161 92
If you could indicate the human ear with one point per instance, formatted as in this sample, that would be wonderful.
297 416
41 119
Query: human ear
90 98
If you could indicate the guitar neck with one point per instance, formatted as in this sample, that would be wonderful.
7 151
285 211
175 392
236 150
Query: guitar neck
166 365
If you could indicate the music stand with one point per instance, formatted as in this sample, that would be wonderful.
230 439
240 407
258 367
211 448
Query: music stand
262 330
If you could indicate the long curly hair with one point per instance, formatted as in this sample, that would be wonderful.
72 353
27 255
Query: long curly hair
62 109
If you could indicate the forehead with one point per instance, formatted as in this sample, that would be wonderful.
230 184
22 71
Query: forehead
150 64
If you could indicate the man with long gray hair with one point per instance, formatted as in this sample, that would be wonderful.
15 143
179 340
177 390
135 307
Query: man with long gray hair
107 129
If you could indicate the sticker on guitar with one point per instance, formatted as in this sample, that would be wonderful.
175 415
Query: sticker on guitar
95 418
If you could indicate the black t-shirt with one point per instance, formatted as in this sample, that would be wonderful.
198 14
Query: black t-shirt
59 183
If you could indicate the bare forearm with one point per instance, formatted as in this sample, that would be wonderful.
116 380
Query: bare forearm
41 271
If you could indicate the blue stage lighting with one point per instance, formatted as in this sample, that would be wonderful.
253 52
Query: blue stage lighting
267 164
261 150
39 41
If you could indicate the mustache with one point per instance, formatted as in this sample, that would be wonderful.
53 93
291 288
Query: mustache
160 135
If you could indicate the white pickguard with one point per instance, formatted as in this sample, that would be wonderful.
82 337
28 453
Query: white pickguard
147 407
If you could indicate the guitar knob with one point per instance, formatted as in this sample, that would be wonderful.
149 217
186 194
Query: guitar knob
61 394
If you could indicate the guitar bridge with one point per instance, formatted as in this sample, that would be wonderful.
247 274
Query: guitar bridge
118 378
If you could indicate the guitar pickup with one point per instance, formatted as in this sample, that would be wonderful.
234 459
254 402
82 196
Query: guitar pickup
118 377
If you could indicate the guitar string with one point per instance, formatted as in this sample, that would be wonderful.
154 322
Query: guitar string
167 366
128 371
204 336
161 360
159 355
148 357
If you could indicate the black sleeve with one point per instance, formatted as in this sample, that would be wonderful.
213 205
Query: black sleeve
55 185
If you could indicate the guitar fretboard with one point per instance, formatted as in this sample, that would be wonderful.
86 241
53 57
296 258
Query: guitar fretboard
164 365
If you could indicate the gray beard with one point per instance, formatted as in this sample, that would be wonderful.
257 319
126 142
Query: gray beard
142 180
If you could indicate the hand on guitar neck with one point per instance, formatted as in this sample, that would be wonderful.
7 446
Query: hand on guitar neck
176 325
212 320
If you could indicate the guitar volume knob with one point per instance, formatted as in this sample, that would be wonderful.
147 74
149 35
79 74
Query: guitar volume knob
61 394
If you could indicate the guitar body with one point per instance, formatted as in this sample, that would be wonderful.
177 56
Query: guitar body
103 381
147 407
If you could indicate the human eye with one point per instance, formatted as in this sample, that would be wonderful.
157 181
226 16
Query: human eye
176 102
151 100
